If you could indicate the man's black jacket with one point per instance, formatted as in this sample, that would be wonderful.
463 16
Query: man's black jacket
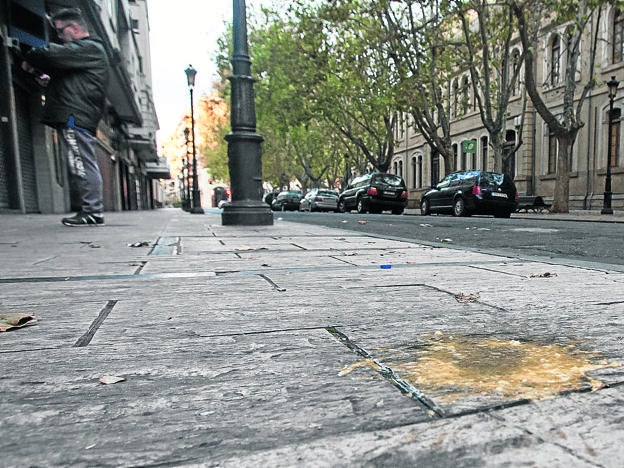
79 80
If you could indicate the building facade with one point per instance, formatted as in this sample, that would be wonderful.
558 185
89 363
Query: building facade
533 165
33 173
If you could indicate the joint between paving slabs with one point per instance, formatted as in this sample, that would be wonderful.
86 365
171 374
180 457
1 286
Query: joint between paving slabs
85 339
272 283
140 267
387 373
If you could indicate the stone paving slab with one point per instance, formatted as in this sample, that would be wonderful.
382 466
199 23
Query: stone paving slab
482 440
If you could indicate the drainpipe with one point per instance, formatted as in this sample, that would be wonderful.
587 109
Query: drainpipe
8 119
533 142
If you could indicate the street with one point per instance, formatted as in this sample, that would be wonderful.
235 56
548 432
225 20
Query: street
593 242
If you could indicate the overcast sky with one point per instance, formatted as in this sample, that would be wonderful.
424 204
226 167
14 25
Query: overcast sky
184 32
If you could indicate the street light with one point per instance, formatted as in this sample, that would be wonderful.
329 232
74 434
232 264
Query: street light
190 79
187 168
606 204
244 144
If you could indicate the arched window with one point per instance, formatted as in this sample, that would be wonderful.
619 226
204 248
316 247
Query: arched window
552 152
515 63
614 139
414 173
465 96
455 97
395 167
435 167
509 156
555 60
400 173
618 37
484 153
421 182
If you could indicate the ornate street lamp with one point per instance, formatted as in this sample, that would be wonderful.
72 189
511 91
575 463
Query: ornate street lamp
187 168
612 149
244 144
190 78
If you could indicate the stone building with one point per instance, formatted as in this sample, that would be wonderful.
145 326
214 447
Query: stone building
533 166
33 174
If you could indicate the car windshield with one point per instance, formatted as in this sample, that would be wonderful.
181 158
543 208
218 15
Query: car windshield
388 179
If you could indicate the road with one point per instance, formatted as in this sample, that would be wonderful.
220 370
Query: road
555 240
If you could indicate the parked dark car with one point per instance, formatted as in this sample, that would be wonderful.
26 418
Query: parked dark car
287 201
319 200
374 193
472 192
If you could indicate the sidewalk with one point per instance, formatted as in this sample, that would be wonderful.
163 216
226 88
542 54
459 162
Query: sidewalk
297 345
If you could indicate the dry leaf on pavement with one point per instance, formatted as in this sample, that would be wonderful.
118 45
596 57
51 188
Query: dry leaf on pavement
12 321
139 244
110 379
542 275
461 297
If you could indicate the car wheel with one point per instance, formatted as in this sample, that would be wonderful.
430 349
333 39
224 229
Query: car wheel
459 207
425 209
360 206
341 207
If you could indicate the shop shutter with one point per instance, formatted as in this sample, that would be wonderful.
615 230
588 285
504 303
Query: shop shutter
27 159
4 181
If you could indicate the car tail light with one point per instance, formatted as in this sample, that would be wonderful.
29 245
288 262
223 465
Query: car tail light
372 191
517 196
404 194
476 190
318 199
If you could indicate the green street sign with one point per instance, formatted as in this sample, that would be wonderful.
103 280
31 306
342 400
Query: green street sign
469 146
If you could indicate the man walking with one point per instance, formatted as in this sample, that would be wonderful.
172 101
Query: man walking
75 74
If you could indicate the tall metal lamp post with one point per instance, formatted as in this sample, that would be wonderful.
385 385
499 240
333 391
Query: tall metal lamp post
196 207
187 166
606 204
244 144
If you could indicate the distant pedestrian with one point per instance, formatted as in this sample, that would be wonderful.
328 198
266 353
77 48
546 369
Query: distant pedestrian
75 74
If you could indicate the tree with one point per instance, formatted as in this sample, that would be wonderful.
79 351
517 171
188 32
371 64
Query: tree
488 29
416 36
211 126
571 18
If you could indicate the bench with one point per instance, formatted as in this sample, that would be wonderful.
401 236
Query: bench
534 203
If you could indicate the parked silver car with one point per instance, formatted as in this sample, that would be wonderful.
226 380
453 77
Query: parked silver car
319 200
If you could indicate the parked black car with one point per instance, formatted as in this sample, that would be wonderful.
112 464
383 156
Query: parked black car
374 193
287 201
472 192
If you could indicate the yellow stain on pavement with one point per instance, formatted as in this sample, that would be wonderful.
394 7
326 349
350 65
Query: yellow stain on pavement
449 367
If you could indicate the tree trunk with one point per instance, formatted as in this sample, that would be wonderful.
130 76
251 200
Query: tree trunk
562 182
497 147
